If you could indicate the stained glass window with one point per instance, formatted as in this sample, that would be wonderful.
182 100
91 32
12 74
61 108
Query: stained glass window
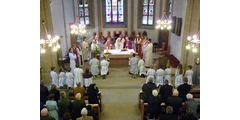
148 12
84 12
114 11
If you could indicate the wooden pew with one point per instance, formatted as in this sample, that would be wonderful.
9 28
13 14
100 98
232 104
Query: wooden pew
195 93
145 105
85 97
96 110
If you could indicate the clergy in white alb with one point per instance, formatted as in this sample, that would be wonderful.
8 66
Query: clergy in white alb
62 77
133 65
150 73
104 67
80 54
189 74
141 67
119 43
179 75
72 60
167 76
159 76
148 53
78 75
69 78
85 50
94 63
54 77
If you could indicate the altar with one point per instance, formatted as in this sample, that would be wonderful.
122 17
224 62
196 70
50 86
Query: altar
119 58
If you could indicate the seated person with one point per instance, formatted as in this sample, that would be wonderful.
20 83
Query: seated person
169 114
64 104
174 101
79 89
92 93
190 103
67 116
184 89
52 107
77 106
84 113
44 115
166 90
147 89
154 107
188 115
56 92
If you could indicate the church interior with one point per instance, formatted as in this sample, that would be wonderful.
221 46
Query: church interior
120 59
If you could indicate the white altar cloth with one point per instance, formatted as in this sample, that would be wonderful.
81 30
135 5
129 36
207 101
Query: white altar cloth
119 52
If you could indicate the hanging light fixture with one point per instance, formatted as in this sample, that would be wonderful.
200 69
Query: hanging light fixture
164 23
78 29
50 41
193 42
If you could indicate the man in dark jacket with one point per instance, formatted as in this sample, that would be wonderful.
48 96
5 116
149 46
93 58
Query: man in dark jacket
154 107
174 101
78 105
43 92
166 91
147 89
184 89
64 104
190 103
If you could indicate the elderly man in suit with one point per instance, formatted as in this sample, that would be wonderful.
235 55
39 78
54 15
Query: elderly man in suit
154 107
174 101
190 103
184 89
77 105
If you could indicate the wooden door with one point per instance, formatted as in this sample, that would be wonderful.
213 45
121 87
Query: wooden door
163 37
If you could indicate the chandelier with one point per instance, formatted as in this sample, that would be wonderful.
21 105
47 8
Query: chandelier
164 23
193 42
78 29
49 42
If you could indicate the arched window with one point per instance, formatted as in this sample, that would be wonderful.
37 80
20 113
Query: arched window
114 11
84 12
148 12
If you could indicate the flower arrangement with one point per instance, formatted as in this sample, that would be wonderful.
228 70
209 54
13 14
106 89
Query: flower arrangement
96 50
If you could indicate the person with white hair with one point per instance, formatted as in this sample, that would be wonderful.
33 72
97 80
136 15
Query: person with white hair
189 74
147 89
154 107
190 103
174 101
159 76
169 114
78 75
44 115
150 74
78 105
133 65
84 114
167 76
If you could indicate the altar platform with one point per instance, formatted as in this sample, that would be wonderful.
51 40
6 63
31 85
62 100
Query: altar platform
119 58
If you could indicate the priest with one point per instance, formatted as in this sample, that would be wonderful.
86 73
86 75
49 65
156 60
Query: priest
127 43
148 53
85 50
137 43
80 58
119 42
108 44
75 51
